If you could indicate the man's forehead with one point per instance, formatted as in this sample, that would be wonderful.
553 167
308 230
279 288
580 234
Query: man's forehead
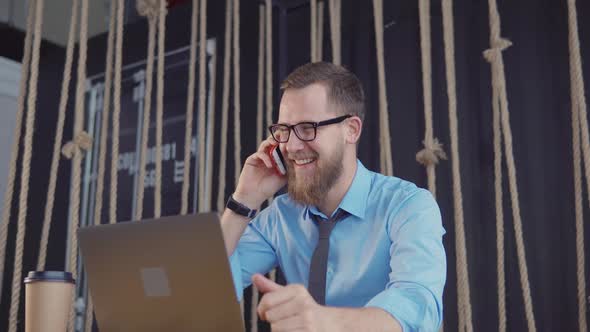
306 104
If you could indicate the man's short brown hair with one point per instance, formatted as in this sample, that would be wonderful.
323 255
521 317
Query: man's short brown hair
344 89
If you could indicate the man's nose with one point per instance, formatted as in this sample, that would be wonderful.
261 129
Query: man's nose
294 144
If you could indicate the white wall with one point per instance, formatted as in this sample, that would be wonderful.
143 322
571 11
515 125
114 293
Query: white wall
9 84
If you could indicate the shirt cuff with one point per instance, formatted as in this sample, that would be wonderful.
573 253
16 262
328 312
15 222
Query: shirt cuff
410 307
236 272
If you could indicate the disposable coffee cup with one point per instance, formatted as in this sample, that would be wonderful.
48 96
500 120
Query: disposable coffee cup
48 300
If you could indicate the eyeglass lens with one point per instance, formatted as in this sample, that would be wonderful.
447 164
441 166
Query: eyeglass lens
304 131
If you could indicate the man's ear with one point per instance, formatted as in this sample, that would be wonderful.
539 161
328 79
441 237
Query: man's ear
354 126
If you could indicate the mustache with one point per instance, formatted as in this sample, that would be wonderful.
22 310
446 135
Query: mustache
307 155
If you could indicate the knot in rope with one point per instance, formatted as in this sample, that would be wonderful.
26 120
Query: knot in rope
431 153
149 8
82 141
498 46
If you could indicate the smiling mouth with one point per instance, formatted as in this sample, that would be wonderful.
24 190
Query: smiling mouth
301 162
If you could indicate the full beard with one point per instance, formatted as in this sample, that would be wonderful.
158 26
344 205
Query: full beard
313 190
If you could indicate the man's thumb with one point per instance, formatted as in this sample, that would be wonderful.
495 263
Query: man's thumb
264 284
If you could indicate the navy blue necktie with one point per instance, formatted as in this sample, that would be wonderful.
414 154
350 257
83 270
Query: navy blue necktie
319 260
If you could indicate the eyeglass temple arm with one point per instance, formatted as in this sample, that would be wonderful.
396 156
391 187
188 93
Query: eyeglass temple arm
332 121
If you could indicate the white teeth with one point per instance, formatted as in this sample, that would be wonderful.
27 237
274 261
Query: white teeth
303 161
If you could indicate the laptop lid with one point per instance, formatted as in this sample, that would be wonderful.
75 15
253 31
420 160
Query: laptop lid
168 274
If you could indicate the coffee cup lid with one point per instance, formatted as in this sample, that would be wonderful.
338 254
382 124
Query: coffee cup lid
62 276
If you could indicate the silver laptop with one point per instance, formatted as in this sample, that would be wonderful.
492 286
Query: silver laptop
169 274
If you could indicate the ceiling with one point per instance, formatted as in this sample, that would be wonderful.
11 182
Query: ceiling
56 17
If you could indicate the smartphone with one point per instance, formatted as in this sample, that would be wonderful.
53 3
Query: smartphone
278 162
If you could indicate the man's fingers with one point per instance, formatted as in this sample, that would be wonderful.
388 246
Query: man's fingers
273 300
263 151
264 284
276 298
267 143
265 158
255 159
291 324
283 311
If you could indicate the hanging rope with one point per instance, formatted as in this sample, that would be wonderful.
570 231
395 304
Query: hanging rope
579 221
494 56
578 84
149 9
82 142
73 150
103 141
497 129
116 112
190 108
211 123
463 289
37 16
313 6
335 15
580 143
429 156
269 87
269 73
106 108
16 143
260 90
17 136
499 214
160 108
224 106
259 135
202 105
320 34
385 140
339 29
237 129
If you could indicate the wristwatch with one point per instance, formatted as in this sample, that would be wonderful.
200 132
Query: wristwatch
240 208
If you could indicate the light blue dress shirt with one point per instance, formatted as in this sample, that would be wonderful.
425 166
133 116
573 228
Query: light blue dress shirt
387 253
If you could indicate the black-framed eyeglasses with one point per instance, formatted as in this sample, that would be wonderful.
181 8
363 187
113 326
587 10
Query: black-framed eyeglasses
305 131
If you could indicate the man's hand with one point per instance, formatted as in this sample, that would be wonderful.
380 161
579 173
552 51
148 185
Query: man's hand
289 308
258 180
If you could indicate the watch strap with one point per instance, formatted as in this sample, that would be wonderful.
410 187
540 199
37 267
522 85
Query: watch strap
240 208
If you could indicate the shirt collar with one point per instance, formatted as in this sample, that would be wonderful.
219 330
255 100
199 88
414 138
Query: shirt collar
355 200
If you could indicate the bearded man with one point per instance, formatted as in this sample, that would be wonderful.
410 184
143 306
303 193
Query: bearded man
360 251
